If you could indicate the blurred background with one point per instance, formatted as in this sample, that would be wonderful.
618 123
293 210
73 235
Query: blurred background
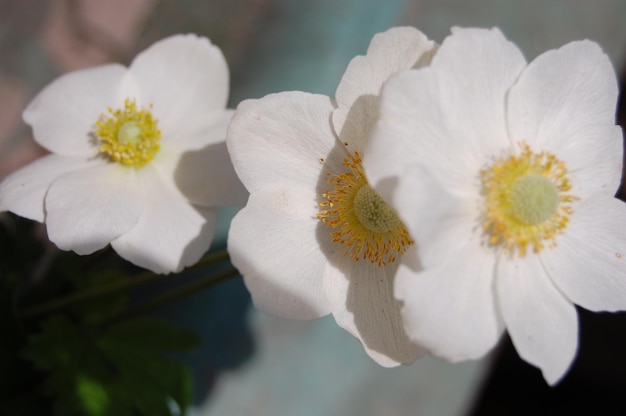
250 363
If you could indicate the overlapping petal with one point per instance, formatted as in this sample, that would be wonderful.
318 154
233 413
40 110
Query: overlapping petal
23 192
451 309
364 305
357 95
288 153
439 221
87 208
440 126
169 226
543 325
272 242
448 114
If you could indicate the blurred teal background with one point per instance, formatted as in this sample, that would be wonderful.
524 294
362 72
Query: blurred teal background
252 364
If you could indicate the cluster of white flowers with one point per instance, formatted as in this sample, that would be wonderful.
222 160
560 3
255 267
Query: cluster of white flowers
447 193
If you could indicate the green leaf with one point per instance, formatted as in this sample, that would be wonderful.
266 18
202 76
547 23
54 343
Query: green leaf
57 345
121 371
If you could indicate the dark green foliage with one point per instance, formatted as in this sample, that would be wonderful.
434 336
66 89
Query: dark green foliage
83 360
121 370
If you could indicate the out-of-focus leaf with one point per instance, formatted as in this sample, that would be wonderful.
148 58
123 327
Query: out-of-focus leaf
151 335
121 371
104 307
58 344
19 245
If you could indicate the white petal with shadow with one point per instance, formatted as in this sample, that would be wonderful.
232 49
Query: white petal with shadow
272 241
440 222
201 169
397 49
211 131
88 208
449 114
364 305
170 234
451 309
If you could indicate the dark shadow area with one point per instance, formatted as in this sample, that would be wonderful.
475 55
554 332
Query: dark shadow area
219 316
596 383
593 386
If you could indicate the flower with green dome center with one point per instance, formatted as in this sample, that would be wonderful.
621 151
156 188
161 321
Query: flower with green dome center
373 212
534 199
129 150
505 174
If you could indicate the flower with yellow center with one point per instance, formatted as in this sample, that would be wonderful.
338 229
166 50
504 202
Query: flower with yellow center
527 201
504 173
137 156
314 237
366 225
128 135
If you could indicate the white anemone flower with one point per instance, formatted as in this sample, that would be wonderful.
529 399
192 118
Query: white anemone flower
504 173
138 156
314 238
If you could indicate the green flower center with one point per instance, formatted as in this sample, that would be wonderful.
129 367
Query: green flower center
129 133
534 199
373 212
527 201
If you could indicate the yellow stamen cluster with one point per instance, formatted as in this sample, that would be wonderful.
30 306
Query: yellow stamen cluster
527 201
128 135
364 223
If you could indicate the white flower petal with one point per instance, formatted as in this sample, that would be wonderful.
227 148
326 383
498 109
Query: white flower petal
589 262
564 102
88 208
449 114
213 130
170 234
23 191
204 176
186 78
272 241
397 49
199 166
543 325
439 222
284 138
450 309
599 171
63 114
364 305
394 50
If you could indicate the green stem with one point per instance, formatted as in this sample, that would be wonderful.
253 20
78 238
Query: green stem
143 278
176 295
